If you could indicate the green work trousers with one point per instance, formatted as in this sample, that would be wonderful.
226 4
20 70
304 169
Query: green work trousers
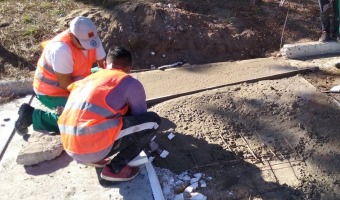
44 120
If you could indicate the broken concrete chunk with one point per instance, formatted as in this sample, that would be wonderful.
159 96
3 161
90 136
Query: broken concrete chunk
40 147
171 136
180 187
198 175
197 196
194 180
203 184
179 197
185 178
164 154
139 160
191 188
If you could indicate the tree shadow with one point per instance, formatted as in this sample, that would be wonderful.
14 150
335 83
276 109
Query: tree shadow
13 59
50 166
232 176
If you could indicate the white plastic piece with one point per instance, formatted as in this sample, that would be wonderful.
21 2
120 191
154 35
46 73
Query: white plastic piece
194 180
203 184
164 154
154 182
191 187
209 178
197 196
171 136
141 159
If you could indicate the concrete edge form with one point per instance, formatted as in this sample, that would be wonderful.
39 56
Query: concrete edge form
301 50
154 182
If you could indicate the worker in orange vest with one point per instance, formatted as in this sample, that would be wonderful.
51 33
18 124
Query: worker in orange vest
68 57
106 113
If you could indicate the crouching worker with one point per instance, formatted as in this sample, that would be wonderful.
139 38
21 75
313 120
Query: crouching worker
105 114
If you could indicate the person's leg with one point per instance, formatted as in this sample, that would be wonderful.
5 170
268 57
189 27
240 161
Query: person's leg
335 19
41 120
46 121
136 134
52 102
324 6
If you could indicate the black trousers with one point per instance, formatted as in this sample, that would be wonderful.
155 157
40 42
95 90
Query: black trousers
135 135
325 13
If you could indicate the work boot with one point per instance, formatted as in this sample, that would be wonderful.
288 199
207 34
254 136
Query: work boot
324 37
126 174
24 120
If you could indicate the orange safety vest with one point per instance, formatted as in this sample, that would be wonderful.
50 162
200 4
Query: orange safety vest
46 82
88 124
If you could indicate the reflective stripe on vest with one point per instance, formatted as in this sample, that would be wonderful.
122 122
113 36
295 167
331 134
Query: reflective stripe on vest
87 124
45 78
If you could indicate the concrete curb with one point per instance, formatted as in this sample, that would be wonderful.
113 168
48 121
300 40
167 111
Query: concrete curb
301 50
16 88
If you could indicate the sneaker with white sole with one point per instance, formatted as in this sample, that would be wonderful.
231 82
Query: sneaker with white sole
126 174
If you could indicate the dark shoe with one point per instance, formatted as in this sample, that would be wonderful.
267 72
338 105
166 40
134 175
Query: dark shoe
24 120
324 37
126 174
100 163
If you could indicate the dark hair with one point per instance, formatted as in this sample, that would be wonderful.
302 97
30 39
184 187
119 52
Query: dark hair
119 53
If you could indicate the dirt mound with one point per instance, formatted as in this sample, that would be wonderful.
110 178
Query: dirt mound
160 34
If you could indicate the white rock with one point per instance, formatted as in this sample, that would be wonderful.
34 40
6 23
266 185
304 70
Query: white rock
194 180
171 136
198 175
153 53
191 187
208 178
179 197
185 178
203 184
164 154
40 147
197 196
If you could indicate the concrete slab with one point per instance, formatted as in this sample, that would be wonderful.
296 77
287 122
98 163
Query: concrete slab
60 178
301 50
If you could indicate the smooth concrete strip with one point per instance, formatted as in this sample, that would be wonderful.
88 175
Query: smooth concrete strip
181 80
153 101
301 50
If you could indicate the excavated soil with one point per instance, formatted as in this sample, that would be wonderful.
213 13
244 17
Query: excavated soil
268 140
